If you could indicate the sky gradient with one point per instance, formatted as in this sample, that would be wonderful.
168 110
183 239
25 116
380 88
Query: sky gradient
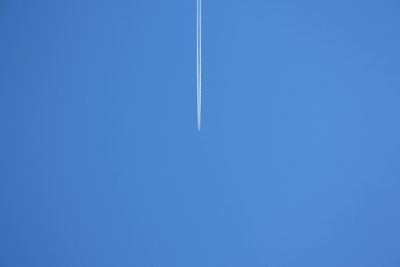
296 163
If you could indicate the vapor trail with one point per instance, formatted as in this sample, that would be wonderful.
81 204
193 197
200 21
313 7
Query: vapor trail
198 63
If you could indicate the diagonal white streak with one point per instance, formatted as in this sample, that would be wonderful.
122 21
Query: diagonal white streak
198 62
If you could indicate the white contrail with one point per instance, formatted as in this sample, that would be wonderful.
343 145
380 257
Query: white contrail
198 63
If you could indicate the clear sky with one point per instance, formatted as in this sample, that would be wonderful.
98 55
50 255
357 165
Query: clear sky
297 163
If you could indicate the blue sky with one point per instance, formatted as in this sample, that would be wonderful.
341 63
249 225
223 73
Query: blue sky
297 162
